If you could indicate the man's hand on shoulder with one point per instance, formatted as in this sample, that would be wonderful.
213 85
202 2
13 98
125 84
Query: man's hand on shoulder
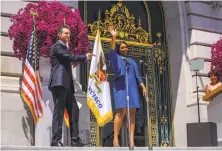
89 56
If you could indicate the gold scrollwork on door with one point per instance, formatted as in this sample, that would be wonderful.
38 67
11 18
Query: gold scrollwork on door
119 17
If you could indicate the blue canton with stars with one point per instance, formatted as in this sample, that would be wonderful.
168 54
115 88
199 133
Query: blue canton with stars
32 49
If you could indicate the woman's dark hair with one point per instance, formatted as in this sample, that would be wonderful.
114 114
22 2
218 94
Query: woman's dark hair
119 44
217 74
212 73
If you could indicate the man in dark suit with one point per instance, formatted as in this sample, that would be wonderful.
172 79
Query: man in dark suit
61 86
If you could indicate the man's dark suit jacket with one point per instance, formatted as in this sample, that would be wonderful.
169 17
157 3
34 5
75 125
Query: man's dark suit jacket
61 69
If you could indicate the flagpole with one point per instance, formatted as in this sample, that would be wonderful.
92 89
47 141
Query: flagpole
34 14
128 112
103 109
98 128
97 125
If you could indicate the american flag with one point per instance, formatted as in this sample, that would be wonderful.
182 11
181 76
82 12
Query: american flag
31 90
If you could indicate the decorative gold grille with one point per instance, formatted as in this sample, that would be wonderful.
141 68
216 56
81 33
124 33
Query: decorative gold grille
119 17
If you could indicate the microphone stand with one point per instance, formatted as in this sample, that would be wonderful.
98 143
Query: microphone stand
198 102
128 112
147 112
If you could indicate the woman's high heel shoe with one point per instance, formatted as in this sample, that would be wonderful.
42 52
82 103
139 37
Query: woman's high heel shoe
116 144
132 145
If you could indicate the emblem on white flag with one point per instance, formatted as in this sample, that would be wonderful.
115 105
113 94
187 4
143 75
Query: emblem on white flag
98 93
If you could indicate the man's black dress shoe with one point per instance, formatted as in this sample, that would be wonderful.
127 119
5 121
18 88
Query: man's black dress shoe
77 143
57 144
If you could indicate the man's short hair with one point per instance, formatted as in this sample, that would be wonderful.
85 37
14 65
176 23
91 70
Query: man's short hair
61 28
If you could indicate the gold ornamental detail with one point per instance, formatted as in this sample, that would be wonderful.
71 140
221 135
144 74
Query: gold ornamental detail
160 53
120 17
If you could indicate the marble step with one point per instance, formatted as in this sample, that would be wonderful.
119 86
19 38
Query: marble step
34 148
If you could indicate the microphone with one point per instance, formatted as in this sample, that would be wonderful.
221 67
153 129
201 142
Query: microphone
142 62
127 62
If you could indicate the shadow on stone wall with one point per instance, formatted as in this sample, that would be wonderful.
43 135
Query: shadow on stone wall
84 114
28 125
27 121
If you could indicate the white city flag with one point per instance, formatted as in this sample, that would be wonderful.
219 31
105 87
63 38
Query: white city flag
98 92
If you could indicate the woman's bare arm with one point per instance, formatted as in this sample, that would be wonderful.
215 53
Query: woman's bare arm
144 88
113 32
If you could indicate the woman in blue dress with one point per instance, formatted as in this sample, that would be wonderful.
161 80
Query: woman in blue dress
134 80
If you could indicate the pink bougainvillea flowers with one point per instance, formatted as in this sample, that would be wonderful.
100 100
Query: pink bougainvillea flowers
216 58
50 17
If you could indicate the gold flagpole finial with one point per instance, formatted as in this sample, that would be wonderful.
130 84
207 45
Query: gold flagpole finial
99 19
33 13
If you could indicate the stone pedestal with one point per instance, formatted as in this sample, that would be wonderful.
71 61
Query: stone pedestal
215 115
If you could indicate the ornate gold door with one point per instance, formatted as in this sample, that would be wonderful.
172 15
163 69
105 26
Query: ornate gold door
136 31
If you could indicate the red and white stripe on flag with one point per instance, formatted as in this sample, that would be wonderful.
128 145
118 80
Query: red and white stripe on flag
31 90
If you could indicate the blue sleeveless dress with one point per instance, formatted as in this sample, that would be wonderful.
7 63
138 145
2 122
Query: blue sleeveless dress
134 79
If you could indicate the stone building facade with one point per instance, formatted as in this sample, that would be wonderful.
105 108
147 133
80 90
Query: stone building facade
191 27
